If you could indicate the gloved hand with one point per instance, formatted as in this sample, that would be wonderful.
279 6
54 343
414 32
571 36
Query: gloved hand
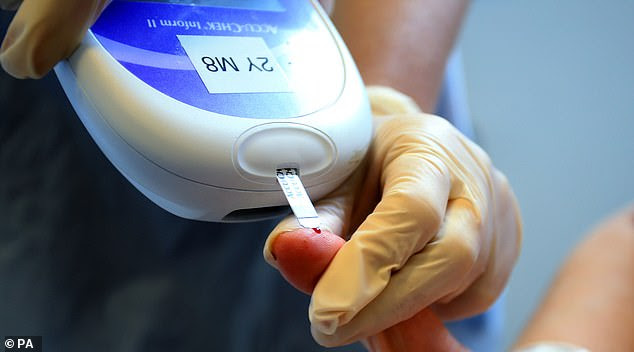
44 32
428 221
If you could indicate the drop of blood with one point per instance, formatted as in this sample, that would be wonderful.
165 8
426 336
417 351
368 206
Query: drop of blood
317 230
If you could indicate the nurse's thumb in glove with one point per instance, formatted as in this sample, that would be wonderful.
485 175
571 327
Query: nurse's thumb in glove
43 32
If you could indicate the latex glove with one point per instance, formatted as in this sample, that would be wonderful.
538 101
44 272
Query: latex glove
303 255
44 32
429 221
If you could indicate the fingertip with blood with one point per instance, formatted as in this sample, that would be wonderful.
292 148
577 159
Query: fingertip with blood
302 255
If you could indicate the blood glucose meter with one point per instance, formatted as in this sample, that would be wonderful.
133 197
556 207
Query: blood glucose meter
198 103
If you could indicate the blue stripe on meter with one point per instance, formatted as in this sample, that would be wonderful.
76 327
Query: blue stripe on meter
258 5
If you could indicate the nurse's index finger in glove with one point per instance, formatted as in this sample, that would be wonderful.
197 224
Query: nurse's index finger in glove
43 32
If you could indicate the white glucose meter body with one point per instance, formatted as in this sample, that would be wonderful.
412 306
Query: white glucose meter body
198 102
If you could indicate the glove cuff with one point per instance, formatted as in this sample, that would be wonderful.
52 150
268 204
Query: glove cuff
388 101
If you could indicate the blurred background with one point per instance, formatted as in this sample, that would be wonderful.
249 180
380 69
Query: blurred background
551 90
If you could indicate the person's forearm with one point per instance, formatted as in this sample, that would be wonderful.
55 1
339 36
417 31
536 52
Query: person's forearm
590 302
403 44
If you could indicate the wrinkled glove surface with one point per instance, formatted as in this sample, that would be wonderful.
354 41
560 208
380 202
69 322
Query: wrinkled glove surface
43 32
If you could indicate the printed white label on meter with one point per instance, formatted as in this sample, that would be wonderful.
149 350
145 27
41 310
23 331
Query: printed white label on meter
235 64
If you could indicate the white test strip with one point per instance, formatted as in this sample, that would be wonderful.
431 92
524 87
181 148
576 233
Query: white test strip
297 198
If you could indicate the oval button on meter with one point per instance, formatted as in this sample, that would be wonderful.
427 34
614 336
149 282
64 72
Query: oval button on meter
293 145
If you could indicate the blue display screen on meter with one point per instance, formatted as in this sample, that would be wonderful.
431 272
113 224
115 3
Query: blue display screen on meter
265 59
